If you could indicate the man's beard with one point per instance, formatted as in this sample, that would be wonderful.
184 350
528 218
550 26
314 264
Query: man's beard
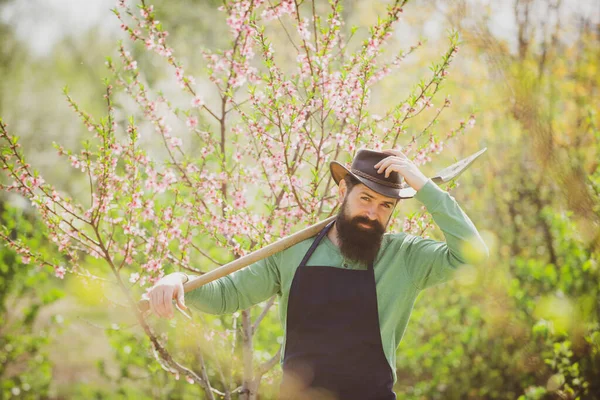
358 243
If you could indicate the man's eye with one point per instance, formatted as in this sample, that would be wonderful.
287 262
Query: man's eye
365 198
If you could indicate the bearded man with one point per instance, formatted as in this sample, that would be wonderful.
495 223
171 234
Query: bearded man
345 297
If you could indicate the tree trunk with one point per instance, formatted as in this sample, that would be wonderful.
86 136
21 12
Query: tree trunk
249 387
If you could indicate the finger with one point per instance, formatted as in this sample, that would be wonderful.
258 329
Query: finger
180 297
391 152
395 152
386 162
154 303
382 161
392 168
381 164
160 306
151 302
168 304
158 299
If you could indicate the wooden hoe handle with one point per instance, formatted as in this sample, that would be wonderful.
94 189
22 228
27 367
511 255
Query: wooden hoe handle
248 259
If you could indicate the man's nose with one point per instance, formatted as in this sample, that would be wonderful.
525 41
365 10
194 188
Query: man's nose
372 214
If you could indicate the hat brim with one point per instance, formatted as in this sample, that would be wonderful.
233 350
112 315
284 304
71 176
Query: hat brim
338 172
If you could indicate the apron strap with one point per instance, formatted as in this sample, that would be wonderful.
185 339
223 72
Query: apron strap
316 243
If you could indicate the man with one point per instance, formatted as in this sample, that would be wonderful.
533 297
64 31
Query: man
346 295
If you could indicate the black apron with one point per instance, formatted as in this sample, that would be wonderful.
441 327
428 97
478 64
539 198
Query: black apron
333 344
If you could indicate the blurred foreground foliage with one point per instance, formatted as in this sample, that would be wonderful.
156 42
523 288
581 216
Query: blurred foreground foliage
25 367
527 326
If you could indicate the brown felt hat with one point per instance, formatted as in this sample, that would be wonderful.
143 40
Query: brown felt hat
363 169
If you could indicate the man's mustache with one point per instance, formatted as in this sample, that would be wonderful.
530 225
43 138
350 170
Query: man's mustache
375 225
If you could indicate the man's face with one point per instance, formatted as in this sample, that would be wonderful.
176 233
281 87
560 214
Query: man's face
362 221
367 206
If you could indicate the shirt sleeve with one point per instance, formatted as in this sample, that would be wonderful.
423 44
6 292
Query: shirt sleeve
240 290
430 262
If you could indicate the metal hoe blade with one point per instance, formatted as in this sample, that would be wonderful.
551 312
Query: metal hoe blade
453 171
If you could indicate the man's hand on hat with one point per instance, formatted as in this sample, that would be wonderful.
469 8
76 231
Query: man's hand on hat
398 162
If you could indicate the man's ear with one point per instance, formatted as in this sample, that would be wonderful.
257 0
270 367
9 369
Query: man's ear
342 190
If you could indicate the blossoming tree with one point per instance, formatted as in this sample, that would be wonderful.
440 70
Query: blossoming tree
232 174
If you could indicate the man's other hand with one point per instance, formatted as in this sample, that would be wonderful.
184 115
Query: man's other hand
398 162
161 295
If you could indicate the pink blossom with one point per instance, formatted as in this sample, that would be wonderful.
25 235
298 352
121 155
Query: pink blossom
134 277
25 259
240 201
152 265
164 51
169 178
422 157
192 122
166 129
75 162
247 51
174 232
128 230
36 182
60 272
285 7
197 102
235 24
135 202
117 148
132 65
340 138
63 242
148 212
471 121
205 151
162 238
175 142
436 146
303 29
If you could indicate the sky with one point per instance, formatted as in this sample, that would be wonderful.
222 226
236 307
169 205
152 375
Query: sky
42 23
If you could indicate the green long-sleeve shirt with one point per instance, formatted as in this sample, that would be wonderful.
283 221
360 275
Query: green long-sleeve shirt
404 266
